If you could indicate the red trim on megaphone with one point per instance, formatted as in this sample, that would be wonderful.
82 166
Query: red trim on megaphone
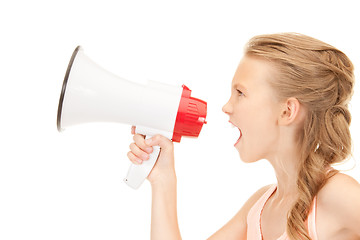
191 116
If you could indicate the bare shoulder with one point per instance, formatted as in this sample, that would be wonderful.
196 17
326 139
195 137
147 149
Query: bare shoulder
340 200
340 189
236 227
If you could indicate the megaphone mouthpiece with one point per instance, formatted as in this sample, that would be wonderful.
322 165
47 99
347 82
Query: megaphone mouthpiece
190 117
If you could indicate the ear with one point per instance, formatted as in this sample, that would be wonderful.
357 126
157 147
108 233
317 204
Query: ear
290 112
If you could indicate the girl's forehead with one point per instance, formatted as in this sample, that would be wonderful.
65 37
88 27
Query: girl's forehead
252 72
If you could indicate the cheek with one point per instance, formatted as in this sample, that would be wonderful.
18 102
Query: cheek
264 126
259 131
257 142
257 119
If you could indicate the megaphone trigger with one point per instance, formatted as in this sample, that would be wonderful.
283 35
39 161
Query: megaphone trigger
138 173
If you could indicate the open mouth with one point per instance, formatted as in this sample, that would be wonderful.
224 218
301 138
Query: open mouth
239 137
238 140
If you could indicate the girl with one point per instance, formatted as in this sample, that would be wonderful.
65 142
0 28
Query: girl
296 89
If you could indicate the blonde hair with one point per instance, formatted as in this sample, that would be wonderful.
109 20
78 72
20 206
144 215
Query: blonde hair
321 78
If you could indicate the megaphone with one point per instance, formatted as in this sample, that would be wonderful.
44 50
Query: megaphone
92 94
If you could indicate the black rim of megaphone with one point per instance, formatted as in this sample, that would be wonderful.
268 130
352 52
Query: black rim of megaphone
63 90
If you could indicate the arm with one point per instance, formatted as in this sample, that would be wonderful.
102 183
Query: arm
164 221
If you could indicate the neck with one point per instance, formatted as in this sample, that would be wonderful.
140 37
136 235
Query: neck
285 163
286 175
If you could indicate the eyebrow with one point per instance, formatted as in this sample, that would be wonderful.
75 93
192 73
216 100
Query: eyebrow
236 85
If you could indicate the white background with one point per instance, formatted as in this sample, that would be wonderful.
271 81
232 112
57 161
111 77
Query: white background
69 185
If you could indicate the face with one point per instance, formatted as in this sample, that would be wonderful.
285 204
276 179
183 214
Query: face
254 109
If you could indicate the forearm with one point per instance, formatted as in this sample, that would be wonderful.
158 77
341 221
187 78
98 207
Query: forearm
164 221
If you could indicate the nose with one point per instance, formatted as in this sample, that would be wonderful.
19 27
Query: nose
227 108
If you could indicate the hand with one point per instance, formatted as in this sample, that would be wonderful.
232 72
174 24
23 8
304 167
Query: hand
164 168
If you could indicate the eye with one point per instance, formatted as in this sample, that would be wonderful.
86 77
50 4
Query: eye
240 92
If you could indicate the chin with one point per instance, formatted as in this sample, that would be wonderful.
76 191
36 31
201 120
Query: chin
248 154
248 159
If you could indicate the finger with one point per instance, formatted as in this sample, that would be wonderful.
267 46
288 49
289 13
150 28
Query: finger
134 159
159 140
139 153
140 142
133 128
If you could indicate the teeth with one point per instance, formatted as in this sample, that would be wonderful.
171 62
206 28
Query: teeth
232 125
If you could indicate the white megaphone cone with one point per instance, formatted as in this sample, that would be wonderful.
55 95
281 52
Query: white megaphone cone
92 94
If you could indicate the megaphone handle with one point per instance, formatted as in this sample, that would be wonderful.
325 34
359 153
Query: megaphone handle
138 173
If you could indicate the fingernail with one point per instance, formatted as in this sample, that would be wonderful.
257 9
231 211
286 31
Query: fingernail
149 149
148 141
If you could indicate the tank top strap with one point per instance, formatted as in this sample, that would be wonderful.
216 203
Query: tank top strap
311 221
254 218
254 215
